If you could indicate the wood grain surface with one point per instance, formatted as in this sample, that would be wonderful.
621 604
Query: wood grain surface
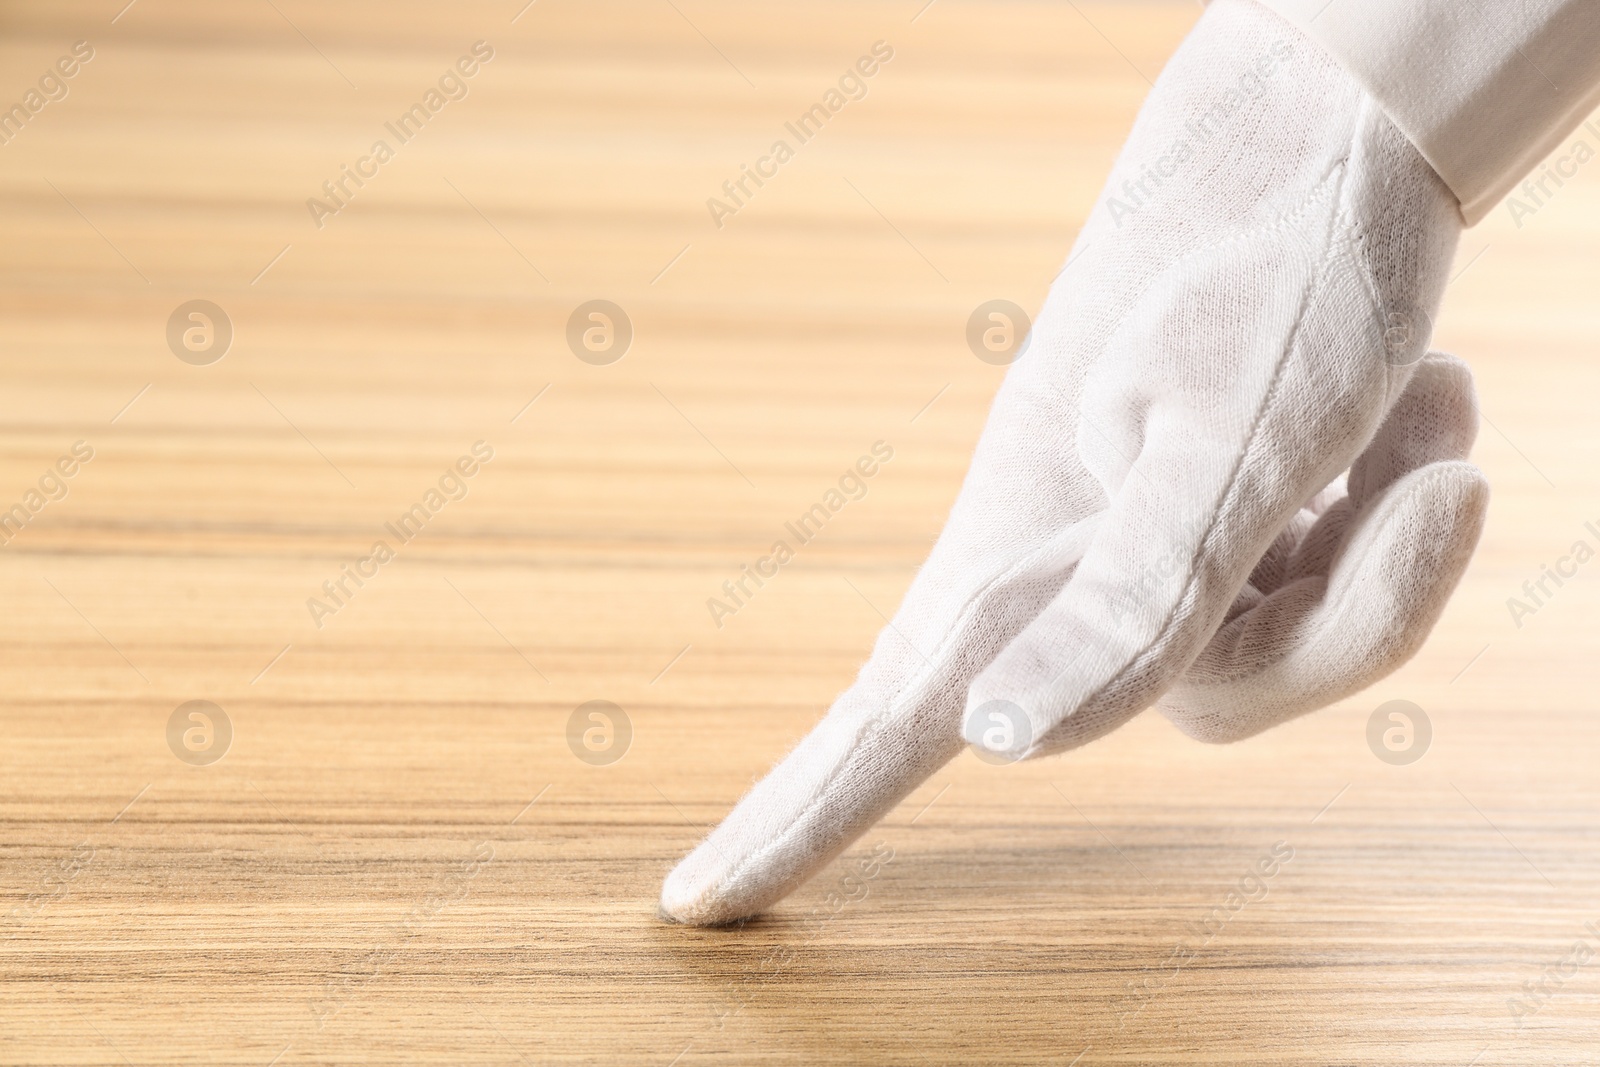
399 856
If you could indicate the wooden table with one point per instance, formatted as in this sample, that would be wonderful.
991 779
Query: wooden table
399 857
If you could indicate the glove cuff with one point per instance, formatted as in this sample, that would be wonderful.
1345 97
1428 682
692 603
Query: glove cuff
1483 92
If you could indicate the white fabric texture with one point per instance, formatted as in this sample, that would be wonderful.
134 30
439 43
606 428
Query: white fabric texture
1235 322
1352 586
1485 89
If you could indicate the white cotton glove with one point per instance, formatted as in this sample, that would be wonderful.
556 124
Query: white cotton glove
1353 584
1229 334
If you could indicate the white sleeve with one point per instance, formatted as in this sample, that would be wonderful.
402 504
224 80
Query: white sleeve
1484 88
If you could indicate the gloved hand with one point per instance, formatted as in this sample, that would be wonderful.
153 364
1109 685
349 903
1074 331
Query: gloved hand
1239 315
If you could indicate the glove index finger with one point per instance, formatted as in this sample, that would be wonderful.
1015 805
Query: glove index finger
883 737
844 776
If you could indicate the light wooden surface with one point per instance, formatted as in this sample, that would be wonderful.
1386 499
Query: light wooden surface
361 878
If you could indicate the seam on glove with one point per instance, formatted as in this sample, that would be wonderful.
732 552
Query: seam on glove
1340 172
